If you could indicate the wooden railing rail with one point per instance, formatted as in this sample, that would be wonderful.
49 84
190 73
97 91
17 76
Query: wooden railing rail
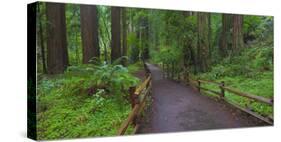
250 96
198 84
234 91
129 120
208 81
138 100
143 85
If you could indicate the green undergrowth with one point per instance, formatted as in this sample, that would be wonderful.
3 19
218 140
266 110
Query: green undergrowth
133 68
85 101
250 72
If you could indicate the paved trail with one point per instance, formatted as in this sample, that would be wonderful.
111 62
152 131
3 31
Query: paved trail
177 107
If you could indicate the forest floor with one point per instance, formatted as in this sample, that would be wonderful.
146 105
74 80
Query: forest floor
75 105
177 107
140 74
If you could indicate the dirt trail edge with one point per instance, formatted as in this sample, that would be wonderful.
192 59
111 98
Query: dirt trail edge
177 107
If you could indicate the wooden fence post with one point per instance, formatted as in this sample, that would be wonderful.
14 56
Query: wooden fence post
133 96
170 71
198 85
147 71
222 90
187 76
271 99
150 84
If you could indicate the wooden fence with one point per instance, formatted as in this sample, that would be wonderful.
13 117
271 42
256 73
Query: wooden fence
221 94
139 94
254 98
138 97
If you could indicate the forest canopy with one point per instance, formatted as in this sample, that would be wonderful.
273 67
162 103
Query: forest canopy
108 33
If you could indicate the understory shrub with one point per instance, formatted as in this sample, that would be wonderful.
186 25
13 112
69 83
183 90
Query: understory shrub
87 100
251 72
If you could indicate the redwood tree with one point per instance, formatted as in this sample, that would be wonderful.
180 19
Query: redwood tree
124 35
57 58
225 34
237 34
41 37
89 32
203 56
115 34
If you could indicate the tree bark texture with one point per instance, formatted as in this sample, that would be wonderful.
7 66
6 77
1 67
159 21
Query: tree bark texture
203 56
115 34
237 36
57 59
124 35
89 32
41 38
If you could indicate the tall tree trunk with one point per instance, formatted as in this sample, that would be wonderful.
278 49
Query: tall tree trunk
76 28
63 31
124 36
57 59
140 44
41 39
203 55
77 48
210 35
187 44
89 31
223 36
146 40
105 35
115 34
237 36
134 50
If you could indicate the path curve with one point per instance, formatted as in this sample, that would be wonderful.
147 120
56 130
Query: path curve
177 107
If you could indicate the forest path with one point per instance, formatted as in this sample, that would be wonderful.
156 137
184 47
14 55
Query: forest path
177 107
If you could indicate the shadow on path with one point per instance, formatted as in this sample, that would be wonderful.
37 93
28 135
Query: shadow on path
176 107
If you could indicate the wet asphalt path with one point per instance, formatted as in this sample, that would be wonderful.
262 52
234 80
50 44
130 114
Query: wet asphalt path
177 107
